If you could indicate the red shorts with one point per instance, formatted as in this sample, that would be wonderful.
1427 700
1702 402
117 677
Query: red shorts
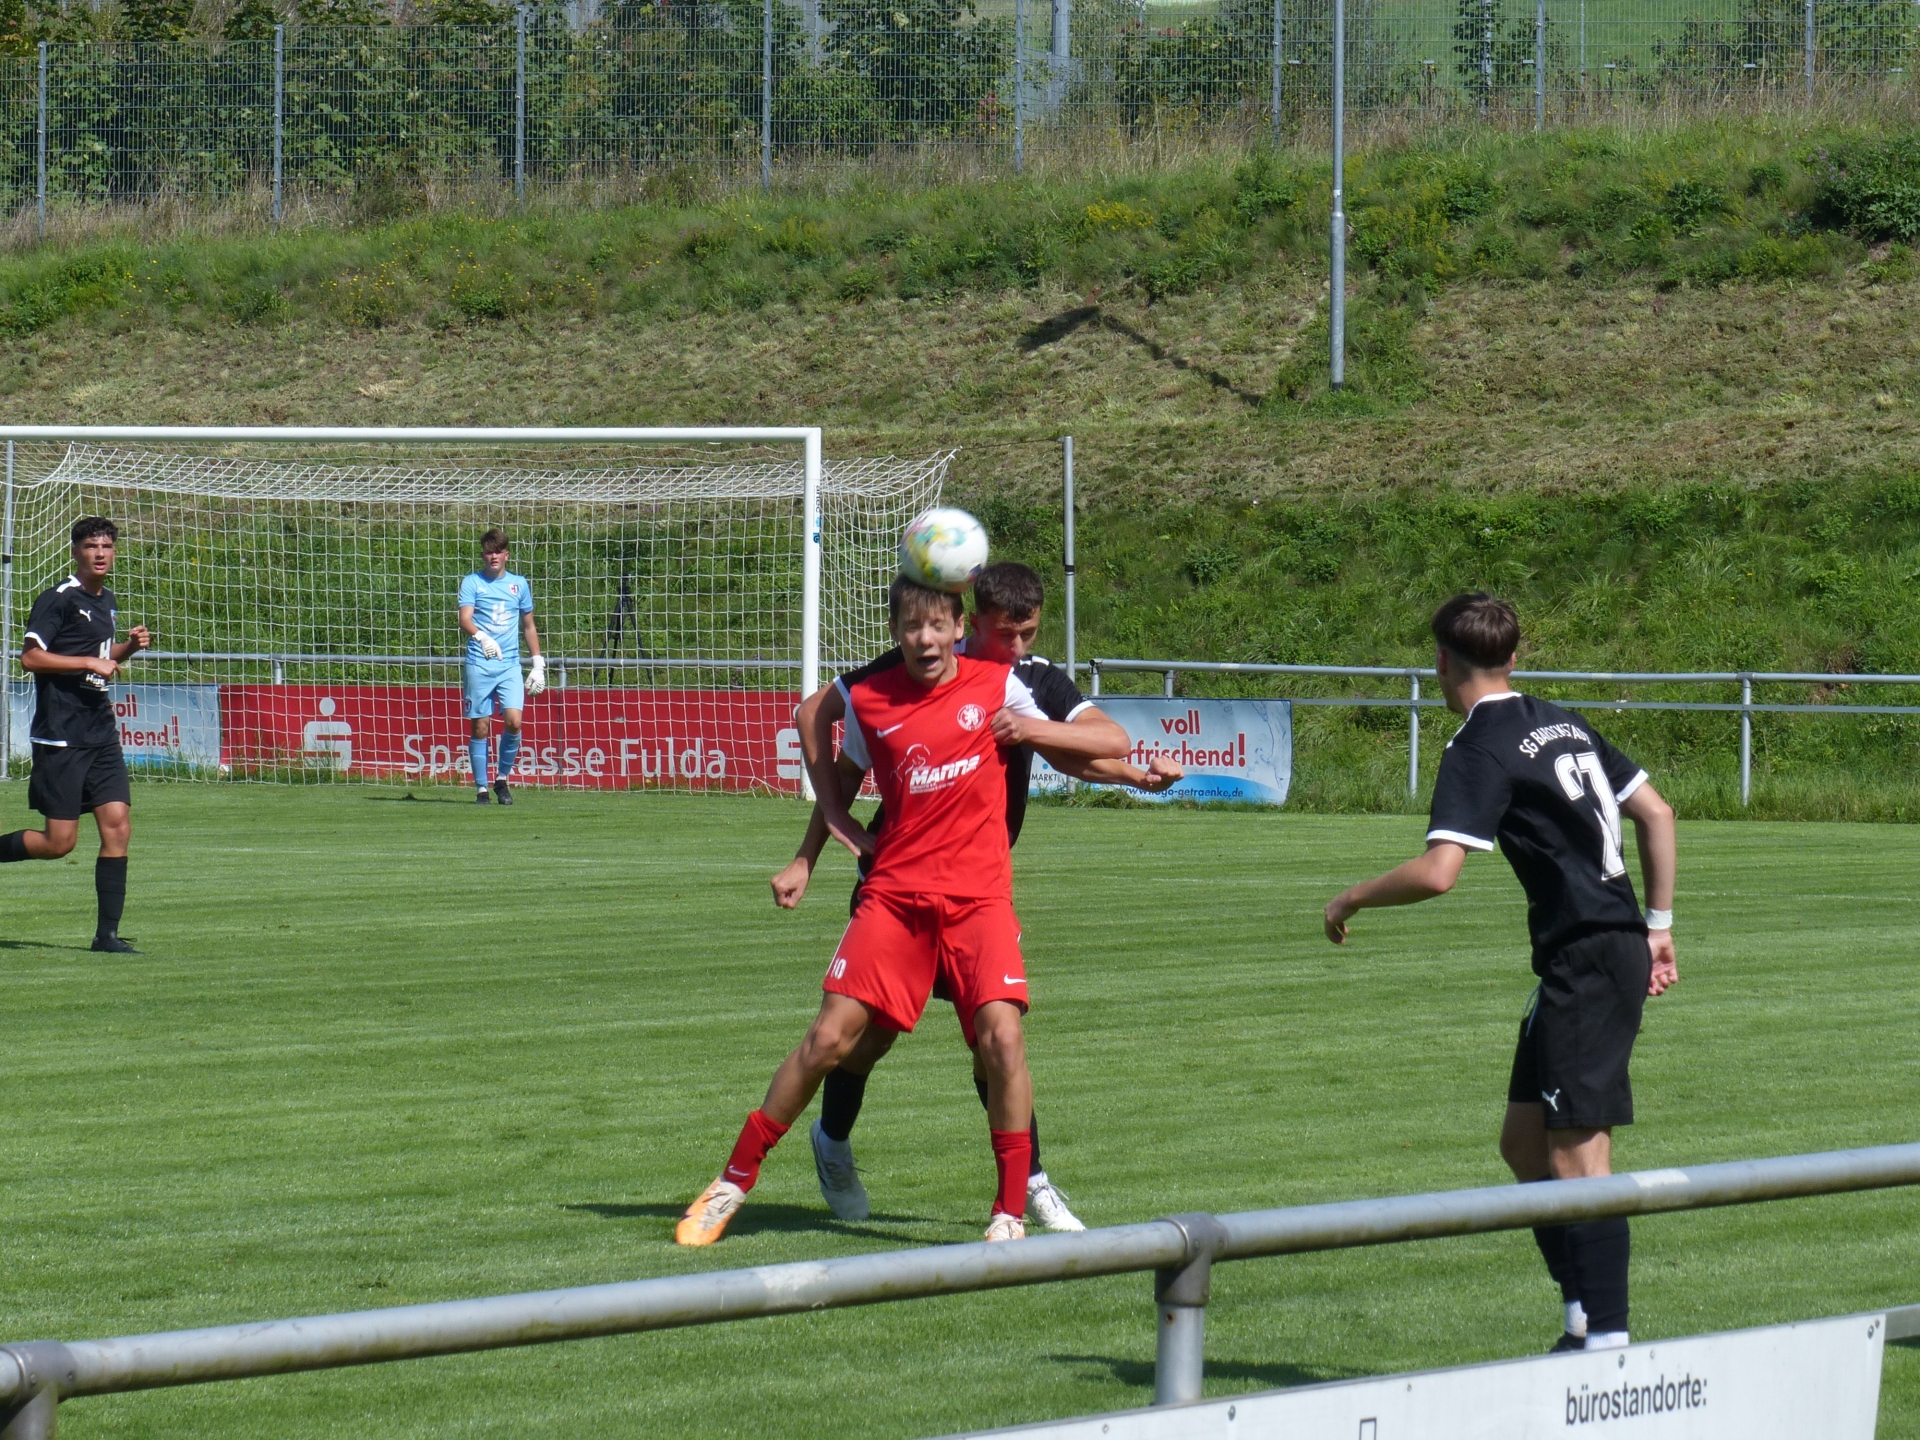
897 946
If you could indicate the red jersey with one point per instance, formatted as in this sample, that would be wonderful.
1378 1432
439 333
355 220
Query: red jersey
942 777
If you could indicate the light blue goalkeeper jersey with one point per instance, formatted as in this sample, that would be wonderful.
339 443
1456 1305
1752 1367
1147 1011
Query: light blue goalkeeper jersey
497 608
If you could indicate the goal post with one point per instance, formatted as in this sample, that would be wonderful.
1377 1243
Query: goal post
688 584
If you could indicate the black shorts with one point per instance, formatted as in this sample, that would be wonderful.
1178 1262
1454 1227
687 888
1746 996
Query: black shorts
69 780
1577 1037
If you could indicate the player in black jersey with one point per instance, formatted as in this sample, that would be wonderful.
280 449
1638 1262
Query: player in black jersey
1007 603
77 765
1541 783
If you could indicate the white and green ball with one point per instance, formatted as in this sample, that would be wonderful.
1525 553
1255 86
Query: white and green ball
943 549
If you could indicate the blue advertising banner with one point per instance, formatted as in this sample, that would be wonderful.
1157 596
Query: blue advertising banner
1238 750
159 724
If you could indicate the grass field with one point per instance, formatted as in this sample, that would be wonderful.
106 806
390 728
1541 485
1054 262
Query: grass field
382 1051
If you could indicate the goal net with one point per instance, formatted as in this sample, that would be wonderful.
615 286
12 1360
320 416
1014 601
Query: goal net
302 596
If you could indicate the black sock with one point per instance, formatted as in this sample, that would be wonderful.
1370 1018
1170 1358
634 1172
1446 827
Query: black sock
980 1085
13 847
1600 1249
1552 1240
110 888
840 1099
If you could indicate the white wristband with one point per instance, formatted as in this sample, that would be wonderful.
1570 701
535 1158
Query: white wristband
1659 919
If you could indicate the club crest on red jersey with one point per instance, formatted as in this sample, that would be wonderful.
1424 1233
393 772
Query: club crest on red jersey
971 717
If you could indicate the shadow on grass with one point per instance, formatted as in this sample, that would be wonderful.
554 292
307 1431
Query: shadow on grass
464 797
1058 327
1277 1376
754 1219
47 945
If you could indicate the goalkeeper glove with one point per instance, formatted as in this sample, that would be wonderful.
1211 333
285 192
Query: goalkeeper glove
489 646
537 680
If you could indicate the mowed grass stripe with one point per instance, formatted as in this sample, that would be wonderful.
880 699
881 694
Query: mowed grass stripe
382 1052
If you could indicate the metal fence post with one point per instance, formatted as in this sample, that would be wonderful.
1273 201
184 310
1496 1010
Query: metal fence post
1066 445
520 104
1337 259
40 164
279 114
766 96
1019 85
1809 49
1093 670
1278 35
1180 1295
1539 66
1746 738
1413 736
44 1367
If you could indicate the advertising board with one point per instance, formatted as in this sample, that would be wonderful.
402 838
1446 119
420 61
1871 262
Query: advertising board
1233 750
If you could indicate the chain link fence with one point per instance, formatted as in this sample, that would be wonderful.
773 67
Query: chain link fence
756 88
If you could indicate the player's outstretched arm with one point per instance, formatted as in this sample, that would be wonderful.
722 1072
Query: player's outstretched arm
790 883
1089 735
1653 830
1420 878
1161 773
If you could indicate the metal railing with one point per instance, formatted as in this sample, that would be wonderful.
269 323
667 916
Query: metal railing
545 98
1180 1250
1746 707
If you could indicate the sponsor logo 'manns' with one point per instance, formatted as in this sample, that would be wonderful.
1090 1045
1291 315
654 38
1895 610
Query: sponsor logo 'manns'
922 778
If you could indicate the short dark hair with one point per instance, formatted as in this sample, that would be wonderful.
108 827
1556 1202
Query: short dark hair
493 542
1481 629
85 530
906 595
1011 588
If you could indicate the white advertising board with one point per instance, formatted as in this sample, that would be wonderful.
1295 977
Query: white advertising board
1820 1378
1232 749
159 724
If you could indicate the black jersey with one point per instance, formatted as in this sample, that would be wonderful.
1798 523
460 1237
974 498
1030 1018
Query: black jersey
1053 691
1537 780
73 708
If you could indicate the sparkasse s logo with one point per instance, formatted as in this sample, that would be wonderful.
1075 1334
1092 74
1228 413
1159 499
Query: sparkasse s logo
971 717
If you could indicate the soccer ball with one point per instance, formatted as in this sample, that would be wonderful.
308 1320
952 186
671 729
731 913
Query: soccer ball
943 550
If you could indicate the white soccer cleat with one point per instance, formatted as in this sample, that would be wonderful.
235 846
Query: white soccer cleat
1048 1206
1006 1227
706 1219
840 1183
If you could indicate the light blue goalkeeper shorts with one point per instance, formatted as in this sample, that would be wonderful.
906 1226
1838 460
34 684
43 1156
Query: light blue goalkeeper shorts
488 683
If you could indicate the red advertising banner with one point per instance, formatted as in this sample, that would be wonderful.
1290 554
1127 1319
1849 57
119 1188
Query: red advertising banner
578 737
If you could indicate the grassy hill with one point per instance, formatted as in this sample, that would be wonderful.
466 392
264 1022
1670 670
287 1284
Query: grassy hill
1657 385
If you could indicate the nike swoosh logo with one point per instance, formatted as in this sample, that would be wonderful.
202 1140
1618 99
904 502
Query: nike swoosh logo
891 728
1011 980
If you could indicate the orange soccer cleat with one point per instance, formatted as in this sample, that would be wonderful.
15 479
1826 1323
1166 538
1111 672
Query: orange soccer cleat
706 1219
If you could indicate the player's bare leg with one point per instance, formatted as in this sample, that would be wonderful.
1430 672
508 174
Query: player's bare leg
832 1036
1046 1205
840 1183
115 821
1588 1260
1001 1047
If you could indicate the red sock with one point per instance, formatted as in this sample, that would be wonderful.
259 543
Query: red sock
1012 1154
759 1135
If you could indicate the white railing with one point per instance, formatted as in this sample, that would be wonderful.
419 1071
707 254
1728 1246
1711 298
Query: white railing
35 1376
1746 707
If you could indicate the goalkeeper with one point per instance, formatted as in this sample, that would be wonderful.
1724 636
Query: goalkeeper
495 605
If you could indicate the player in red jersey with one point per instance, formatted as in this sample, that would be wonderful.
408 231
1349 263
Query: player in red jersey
937 904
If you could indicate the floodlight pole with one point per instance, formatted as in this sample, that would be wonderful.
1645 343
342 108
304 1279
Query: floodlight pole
40 164
279 114
1066 444
1337 289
